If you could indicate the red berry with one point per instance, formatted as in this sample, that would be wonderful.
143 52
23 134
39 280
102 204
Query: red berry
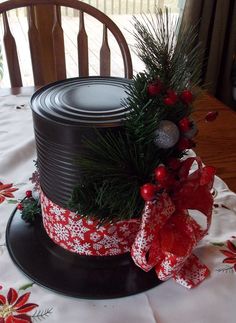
184 125
161 173
186 96
168 101
154 88
148 191
20 206
174 163
211 116
172 95
28 193
185 143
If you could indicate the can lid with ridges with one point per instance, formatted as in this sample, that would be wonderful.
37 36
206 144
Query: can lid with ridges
89 101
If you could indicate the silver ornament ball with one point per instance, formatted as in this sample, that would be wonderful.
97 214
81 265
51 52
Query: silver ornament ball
167 134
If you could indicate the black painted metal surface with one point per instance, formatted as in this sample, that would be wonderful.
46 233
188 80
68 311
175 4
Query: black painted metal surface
65 113
57 269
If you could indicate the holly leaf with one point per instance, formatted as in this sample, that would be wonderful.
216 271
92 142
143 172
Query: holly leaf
11 201
26 286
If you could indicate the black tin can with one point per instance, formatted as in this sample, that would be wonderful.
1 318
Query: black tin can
66 112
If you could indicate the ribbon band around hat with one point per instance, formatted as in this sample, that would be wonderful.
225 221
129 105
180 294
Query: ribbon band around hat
163 239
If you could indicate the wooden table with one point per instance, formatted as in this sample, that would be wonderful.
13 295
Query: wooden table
215 141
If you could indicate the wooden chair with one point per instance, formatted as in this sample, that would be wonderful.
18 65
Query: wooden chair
41 70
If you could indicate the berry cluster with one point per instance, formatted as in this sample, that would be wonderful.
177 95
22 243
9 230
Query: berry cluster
29 207
20 206
165 178
170 97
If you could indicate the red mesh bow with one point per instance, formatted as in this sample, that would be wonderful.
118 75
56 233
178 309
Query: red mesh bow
168 233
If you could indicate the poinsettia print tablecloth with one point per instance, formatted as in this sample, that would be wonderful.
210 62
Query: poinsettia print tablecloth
23 301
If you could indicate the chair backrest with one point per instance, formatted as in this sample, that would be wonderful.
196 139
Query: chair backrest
40 64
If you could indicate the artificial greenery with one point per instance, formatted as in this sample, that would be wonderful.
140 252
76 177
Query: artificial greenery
119 162
175 57
30 209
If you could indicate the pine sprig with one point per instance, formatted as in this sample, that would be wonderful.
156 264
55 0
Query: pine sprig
174 57
41 314
119 162
30 209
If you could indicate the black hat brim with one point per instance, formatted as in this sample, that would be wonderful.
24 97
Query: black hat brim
51 266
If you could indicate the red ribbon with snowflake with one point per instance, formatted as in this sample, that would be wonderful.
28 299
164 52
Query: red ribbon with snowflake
165 237
168 233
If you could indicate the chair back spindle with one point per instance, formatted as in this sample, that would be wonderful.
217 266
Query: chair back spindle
58 46
35 47
47 41
11 54
82 41
105 55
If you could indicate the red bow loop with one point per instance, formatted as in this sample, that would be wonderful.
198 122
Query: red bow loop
145 248
168 234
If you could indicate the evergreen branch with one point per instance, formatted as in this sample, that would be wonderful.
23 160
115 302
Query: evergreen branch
31 209
119 162
41 314
176 59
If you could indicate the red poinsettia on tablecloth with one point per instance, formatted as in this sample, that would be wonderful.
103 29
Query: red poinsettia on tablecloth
6 191
13 308
230 253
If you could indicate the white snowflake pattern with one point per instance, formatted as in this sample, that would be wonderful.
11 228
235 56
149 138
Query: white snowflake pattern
77 228
162 276
73 215
196 274
95 236
167 267
81 248
200 276
183 282
60 217
138 259
110 241
113 252
124 228
56 239
150 237
50 227
61 232
51 204
97 246
45 201
141 242
101 229
47 217
58 212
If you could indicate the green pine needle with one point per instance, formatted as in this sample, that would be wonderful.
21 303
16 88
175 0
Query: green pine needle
31 209
119 162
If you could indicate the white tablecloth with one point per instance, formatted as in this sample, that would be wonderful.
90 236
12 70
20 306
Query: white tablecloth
212 301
